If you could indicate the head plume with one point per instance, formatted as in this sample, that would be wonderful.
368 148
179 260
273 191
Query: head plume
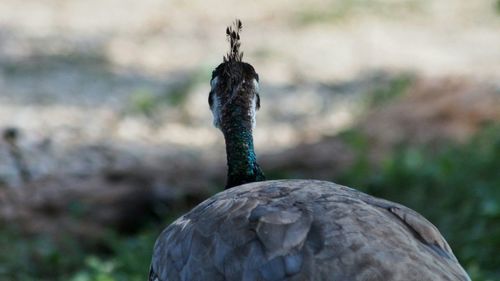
233 36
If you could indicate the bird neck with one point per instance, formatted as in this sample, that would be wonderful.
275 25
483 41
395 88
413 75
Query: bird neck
241 160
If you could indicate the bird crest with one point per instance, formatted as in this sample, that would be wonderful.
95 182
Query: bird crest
233 36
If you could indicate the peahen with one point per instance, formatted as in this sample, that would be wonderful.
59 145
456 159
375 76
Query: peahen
290 229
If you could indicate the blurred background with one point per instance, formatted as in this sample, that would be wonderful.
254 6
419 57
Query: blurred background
107 136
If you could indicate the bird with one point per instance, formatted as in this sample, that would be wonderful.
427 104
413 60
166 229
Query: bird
290 229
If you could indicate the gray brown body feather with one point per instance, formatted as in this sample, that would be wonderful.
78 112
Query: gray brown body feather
302 230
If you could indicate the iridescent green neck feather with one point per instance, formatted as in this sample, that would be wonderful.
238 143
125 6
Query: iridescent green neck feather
241 159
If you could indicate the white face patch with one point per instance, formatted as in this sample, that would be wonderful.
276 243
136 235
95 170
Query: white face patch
255 85
253 110
216 105
253 105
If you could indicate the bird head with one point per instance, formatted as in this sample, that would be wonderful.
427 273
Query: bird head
234 94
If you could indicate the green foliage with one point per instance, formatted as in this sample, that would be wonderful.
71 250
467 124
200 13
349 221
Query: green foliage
43 258
144 102
332 14
457 188
36 257
148 103
94 60
338 10
396 87
129 260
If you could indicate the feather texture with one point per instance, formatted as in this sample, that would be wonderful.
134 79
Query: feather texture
233 36
302 230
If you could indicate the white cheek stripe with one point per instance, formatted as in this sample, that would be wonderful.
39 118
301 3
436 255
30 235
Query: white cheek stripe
253 110
253 105
216 107
256 85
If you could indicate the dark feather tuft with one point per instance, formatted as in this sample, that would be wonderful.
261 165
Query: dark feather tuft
233 36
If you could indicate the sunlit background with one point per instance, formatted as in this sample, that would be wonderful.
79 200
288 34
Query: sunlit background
107 135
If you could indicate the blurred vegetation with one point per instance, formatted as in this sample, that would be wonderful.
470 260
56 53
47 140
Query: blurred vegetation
457 188
47 258
339 10
396 86
93 60
130 260
146 102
